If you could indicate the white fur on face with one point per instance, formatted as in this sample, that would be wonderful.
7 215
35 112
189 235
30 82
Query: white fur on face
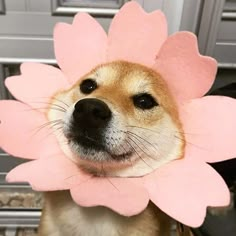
149 144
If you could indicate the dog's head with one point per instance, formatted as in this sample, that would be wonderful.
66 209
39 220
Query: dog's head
119 120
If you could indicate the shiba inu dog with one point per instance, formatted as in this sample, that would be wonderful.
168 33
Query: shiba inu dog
118 120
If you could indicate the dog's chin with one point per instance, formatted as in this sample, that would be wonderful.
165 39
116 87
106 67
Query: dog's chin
98 159
101 156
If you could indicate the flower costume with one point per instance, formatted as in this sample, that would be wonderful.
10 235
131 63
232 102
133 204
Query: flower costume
182 188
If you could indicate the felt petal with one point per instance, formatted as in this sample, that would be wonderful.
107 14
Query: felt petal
125 196
187 73
20 132
48 174
135 35
37 83
209 125
79 47
183 189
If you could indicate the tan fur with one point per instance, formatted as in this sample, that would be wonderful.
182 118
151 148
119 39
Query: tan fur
118 82
118 87
62 217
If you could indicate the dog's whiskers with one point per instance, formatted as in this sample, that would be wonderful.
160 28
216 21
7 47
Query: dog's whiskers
61 102
42 109
139 156
140 139
189 143
174 136
50 124
131 139
51 105
107 178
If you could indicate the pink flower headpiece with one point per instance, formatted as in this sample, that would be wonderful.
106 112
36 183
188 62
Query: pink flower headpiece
182 188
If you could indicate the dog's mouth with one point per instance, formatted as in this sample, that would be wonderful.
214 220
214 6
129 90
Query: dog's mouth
121 157
90 149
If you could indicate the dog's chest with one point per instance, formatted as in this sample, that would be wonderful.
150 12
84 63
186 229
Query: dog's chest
61 216
95 221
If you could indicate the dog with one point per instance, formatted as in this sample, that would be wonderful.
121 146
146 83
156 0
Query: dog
119 120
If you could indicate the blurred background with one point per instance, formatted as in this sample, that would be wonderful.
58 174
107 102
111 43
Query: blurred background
26 28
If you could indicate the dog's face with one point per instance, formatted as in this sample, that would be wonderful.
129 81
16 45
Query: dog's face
119 120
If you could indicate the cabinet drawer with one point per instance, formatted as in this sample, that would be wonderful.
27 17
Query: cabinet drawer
30 49
227 31
230 5
226 53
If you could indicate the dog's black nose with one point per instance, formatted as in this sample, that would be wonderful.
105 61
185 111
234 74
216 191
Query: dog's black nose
91 113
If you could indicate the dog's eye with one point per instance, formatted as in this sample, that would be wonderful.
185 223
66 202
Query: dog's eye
144 101
88 86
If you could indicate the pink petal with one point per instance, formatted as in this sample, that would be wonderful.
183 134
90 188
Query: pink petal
48 174
187 73
183 189
37 84
123 195
135 35
79 47
210 128
20 133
